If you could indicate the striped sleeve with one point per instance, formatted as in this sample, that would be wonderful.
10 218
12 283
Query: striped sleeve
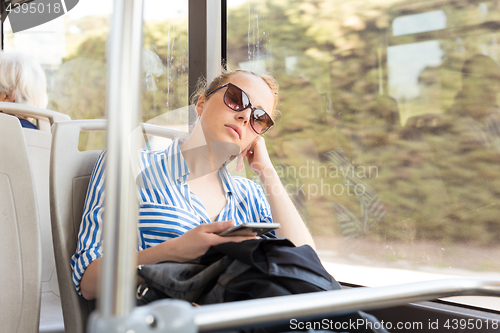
264 208
89 237
256 207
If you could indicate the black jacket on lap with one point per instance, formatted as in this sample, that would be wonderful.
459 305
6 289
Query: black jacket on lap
242 271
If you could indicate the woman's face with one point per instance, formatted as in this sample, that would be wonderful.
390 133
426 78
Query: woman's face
221 124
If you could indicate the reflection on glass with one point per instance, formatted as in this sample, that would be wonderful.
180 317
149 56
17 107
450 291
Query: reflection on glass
405 64
388 142
165 64
72 50
416 23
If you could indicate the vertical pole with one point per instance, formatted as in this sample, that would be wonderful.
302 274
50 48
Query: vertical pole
204 43
3 17
214 29
197 48
123 103
223 34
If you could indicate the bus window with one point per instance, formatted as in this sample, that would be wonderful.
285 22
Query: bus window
72 51
165 63
389 134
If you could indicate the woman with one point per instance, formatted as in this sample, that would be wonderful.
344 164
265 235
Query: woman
22 80
186 196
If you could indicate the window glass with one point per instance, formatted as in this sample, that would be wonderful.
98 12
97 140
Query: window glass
165 63
389 134
72 51
415 23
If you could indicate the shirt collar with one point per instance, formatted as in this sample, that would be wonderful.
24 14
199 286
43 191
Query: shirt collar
227 179
176 162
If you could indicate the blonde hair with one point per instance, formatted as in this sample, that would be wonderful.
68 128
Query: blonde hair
22 74
202 88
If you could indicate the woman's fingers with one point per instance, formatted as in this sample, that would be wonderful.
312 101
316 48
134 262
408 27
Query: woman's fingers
216 227
248 151
197 241
235 239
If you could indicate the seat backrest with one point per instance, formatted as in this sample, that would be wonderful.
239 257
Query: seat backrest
70 171
45 117
39 143
20 248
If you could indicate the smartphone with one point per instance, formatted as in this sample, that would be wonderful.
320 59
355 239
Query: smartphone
249 229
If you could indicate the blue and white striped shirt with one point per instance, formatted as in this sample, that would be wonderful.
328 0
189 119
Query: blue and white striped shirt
167 208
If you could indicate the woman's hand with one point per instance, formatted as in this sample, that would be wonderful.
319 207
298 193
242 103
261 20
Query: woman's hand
197 241
257 155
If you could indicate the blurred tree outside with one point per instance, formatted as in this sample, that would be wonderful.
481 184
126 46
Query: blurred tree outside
337 95
80 82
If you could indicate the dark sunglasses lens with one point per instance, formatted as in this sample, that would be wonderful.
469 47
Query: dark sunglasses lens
235 98
261 121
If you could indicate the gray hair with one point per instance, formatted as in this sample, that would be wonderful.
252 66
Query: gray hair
22 74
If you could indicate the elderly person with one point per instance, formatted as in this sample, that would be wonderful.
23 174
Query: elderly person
22 80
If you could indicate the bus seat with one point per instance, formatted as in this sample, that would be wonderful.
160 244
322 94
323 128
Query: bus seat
70 171
38 143
20 246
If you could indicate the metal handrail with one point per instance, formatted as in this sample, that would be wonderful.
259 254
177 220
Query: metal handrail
175 316
260 311
156 130
34 112
149 129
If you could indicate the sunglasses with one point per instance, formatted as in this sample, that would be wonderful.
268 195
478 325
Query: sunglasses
237 100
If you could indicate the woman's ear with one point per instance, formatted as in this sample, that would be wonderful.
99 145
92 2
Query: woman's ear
8 97
200 105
